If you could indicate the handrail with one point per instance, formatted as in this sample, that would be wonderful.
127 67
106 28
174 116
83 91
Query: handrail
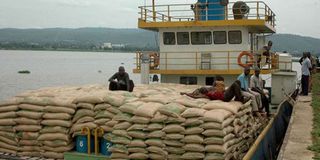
195 60
183 12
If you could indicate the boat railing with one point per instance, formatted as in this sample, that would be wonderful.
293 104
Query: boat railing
213 60
256 10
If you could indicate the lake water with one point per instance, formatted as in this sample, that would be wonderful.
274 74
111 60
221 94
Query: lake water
51 68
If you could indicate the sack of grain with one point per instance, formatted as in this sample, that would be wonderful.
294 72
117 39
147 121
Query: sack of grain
173 128
62 123
157 98
137 134
193 122
59 109
154 126
141 127
172 109
189 102
114 100
88 106
85 119
30 107
147 109
5 115
218 115
218 140
122 125
30 114
28 128
53 155
78 127
193 155
102 106
102 121
195 139
130 107
114 110
54 136
7 122
8 108
232 106
218 133
193 112
190 147
121 133
122 117
82 113
157 150
174 136
155 142
137 150
137 143
156 134
140 120
217 125
138 156
159 117
57 116
193 130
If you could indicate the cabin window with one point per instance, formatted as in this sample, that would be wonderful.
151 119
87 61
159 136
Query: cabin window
183 38
201 38
169 38
220 37
235 37
189 80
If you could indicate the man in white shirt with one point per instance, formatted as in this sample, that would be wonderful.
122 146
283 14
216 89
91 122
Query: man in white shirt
305 70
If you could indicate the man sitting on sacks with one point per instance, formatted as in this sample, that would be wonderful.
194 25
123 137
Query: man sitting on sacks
247 92
256 85
218 92
123 81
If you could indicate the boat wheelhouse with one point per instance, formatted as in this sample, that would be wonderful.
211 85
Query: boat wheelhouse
198 41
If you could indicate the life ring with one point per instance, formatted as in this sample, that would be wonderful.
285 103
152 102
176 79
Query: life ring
245 53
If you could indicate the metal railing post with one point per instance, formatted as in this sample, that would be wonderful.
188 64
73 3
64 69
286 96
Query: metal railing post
258 10
169 18
196 60
145 14
166 61
228 60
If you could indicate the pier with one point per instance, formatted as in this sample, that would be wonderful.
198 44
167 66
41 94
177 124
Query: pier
298 137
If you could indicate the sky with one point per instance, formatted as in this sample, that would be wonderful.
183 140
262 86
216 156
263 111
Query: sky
299 17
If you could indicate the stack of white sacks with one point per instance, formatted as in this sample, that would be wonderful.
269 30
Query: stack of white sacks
28 127
8 138
154 122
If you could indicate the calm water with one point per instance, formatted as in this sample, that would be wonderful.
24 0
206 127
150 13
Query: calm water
50 68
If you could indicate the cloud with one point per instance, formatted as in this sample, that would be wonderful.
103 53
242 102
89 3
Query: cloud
75 3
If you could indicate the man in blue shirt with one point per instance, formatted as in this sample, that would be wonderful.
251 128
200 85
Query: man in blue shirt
246 92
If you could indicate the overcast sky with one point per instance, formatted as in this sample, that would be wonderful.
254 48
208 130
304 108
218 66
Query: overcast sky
293 16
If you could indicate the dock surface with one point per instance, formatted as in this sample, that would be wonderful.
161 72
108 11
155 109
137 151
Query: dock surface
299 138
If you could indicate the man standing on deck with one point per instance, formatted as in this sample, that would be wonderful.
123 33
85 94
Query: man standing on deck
246 92
123 81
256 85
305 70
